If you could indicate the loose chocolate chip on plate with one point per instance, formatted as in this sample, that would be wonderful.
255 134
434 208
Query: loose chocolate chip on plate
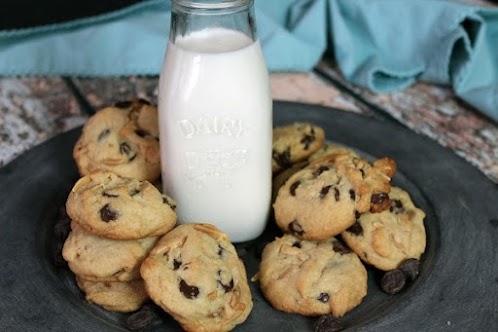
141 319
190 292
107 214
411 268
393 281
328 323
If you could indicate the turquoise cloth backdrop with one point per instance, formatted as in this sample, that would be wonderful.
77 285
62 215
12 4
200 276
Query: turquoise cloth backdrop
384 45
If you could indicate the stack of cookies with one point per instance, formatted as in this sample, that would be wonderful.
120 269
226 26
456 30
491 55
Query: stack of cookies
116 222
336 210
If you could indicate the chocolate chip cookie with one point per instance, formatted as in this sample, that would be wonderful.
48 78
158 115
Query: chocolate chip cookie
123 139
325 198
114 296
120 208
195 275
387 239
98 258
311 277
294 142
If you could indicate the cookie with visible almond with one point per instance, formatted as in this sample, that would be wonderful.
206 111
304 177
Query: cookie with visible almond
195 275
311 277
391 237
120 208
326 197
295 142
123 139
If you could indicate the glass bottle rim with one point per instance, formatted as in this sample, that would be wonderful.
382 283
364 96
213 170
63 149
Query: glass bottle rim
212 4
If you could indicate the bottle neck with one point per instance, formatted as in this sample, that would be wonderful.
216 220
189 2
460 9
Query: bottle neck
188 17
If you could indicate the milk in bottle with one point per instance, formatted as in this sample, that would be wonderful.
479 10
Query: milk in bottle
215 118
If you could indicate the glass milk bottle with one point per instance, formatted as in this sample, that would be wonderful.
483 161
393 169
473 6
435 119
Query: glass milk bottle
215 115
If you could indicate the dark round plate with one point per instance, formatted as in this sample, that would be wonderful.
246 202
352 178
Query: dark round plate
457 288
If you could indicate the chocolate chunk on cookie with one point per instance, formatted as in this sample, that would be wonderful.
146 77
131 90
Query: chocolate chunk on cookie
120 208
123 139
194 274
98 258
391 237
295 142
311 277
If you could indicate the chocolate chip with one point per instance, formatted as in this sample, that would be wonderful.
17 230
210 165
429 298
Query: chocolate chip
227 288
124 148
108 194
337 194
320 170
328 323
142 133
357 215
323 297
340 248
296 228
396 206
308 139
103 134
176 264
393 281
362 173
356 229
411 268
166 201
107 214
282 159
123 104
324 191
132 157
134 191
140 320
220 250
379 198
297 244
190 292
352 194
293 187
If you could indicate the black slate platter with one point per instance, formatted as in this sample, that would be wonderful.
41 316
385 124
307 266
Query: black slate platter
457 288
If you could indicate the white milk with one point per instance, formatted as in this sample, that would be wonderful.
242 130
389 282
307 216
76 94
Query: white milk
216 126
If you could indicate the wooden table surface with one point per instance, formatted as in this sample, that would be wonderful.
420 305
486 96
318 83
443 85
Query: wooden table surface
34 109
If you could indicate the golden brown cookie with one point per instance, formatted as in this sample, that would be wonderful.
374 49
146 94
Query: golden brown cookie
98 258
120 208
114 296
325 198
388 238
123 139
195 275
311 277
294 142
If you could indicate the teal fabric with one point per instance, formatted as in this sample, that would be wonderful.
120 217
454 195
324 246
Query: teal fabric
384 45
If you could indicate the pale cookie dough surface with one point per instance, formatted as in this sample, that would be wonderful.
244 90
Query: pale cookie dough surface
387 239
123 139
114 296
195 275
120 208
311 277
295 142
97 258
